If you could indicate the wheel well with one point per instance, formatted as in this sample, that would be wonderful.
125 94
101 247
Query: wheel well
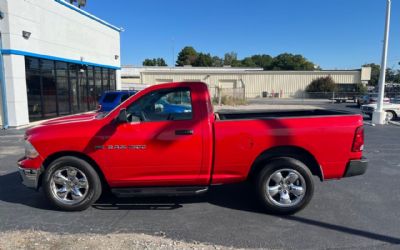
79 155
286 151
393 112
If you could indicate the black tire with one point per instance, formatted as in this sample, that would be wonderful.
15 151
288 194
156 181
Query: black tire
394 116
280 164
93 192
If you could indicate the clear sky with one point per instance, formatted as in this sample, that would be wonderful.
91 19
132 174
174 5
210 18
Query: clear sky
335 34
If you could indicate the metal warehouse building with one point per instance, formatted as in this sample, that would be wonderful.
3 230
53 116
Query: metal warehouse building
55 60
255 81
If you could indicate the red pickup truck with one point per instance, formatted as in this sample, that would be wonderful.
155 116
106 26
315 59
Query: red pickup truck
166 140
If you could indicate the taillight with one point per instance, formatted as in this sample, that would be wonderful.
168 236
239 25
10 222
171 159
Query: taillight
358 142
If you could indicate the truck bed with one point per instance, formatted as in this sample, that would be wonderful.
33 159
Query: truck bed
266 114
242 135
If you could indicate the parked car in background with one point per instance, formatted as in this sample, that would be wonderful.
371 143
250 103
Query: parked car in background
395 99
370 99
392 110
111 99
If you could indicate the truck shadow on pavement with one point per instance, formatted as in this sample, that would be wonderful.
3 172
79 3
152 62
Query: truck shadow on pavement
236 196
12 191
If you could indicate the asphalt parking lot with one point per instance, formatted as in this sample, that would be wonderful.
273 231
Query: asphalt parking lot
358 212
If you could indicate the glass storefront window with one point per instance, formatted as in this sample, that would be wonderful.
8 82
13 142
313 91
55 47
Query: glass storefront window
106 80
59 88
49 89
73 80
97 83
83 89
112 79
63 94
33 88
92 100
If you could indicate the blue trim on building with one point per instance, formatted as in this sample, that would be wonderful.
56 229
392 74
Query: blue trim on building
3 88
24 53
73 7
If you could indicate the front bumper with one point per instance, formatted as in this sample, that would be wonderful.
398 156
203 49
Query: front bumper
30 176
356 167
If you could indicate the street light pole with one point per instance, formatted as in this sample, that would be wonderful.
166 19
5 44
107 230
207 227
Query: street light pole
379 116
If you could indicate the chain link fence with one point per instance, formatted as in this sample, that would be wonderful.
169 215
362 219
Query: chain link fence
228 96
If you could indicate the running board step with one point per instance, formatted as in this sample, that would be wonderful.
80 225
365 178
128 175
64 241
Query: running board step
159 191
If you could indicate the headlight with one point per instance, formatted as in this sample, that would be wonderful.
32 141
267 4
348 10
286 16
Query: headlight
30 151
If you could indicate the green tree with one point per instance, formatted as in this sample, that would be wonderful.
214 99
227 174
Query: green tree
230 59
217 61
187 56
391 75
262 61
80 3
248 62
396 76
288 61
361 88
375 72
154 62
322 84
161 62
203 60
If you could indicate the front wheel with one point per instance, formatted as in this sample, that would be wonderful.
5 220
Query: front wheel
71 184
390 115
285 186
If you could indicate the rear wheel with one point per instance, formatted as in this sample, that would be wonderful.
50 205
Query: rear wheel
285 186
71 184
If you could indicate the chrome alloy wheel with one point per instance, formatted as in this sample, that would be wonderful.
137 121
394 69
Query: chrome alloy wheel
286 187
389 116
69 185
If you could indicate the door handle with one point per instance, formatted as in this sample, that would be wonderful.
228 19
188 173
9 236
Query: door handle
184 132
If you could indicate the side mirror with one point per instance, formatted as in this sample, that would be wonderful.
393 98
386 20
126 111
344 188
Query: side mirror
122 117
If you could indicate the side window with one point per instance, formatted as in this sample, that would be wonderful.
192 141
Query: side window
163 105
124 97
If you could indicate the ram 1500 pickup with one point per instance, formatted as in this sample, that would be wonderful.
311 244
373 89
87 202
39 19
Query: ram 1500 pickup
142 147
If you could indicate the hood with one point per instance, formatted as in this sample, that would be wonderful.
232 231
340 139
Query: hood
71 119
59 124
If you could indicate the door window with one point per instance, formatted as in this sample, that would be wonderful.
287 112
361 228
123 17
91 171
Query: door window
162 105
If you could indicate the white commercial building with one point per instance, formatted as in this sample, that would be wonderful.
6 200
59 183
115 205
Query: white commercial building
255 81
55 60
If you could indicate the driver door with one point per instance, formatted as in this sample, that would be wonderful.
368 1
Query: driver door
160 145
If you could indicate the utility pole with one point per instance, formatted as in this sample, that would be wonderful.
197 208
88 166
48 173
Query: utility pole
173 53
379 116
